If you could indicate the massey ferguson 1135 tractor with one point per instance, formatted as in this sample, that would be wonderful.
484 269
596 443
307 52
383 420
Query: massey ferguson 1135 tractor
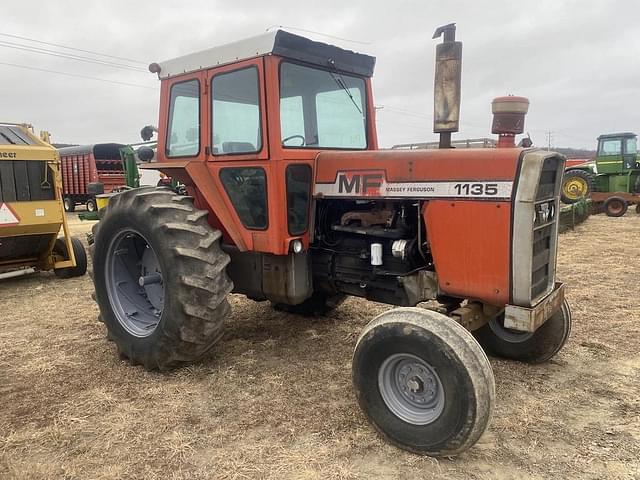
291 201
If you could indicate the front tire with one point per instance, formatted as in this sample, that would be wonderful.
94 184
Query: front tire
69 204
615 206
423 381
536 347
80 254
91 205
160 278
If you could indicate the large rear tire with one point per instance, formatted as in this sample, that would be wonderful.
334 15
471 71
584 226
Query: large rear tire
423 381
160 278
536 347
576 185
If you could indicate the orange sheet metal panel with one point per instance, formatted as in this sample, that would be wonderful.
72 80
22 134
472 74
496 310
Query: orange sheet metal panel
435 165
470 241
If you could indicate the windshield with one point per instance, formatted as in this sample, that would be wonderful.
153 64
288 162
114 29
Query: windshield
321 109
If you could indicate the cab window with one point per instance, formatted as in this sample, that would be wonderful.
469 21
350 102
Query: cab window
183 135
631 146
610 147
321 108
236 112
247 190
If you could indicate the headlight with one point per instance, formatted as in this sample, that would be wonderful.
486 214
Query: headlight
296 246
544 213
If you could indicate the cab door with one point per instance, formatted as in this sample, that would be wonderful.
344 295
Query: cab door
609 158
238 150
630 154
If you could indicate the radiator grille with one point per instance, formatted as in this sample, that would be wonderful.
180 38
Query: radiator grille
544 228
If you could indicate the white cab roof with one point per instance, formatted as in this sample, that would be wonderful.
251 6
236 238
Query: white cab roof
277 42
220 55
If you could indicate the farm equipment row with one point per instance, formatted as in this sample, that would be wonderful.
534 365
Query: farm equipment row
611 178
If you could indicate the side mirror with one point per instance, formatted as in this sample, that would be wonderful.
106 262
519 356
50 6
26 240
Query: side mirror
147 132
145 154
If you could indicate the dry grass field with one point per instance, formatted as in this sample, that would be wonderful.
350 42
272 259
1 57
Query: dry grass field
274 399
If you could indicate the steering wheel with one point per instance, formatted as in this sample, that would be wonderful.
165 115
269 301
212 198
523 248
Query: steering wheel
291 137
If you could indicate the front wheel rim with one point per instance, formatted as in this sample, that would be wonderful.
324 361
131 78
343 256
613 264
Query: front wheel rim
411 389
615 207
134 283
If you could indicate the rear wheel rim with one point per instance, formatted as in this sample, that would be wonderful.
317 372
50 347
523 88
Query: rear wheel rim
411 389
615 207
134 283
91 206
575 188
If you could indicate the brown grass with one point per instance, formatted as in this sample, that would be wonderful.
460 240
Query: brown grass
274 400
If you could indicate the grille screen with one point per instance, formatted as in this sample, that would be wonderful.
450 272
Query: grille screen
544 226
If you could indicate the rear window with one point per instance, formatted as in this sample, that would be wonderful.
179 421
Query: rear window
183 135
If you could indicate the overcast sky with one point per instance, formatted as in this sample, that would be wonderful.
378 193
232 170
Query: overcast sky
577 61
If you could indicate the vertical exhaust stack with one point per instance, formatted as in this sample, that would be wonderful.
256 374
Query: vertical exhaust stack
446 88
508 118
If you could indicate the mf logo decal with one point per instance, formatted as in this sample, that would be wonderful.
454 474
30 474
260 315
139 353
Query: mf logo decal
360 183
373 183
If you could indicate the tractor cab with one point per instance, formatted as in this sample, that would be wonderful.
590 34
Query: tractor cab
616 168
253 115
617 153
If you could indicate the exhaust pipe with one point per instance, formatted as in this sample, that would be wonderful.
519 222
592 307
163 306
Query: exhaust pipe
446 88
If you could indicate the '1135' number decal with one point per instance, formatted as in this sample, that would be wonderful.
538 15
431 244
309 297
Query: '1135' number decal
476 188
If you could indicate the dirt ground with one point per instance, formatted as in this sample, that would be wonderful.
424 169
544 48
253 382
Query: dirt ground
274 399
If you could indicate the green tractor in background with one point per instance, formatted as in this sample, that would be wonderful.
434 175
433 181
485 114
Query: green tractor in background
613 177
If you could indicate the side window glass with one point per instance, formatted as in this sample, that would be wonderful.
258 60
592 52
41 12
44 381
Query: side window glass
631 146
247 190
236 112
611 147
298 188
183 135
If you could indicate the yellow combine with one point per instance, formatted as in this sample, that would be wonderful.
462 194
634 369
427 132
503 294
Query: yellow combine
31 210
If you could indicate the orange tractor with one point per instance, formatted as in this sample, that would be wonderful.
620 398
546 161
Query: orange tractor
291 201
